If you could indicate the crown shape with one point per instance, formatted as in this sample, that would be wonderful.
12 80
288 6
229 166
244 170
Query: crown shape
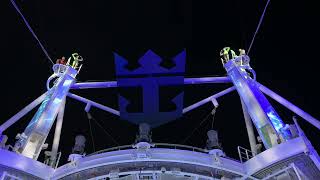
150 64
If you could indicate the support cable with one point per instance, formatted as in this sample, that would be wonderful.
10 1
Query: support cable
30 29
213 112
203 120
104 130
92 139
258 27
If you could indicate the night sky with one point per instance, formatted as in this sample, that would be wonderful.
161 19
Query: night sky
284 56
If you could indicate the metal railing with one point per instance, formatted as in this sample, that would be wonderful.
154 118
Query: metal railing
173 146
153 145
5 176
286 172
244 154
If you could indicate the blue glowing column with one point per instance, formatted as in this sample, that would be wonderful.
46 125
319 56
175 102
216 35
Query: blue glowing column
268 123
35 134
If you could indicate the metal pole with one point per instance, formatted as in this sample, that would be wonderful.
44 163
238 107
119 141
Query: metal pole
205 80
252 137
92 103
87 85
239 152
57 134
296 171
208 99
112 84
247 154
21 113
58 160
290 106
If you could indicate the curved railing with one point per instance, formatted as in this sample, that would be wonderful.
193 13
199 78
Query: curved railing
153 145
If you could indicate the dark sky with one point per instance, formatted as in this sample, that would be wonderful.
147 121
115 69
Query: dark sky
284 55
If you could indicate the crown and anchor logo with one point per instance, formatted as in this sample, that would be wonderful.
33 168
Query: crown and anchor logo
150 76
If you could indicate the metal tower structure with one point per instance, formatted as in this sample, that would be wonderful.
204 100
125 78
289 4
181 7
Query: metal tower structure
288 154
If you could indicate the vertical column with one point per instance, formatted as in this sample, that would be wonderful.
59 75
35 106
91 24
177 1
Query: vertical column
57 133
32 139
268 123
252 137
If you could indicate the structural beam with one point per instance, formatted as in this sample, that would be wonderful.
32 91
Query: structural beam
21 113
31 141
88 85
113 84
249 127
290 106
57 134
267 121
92 103
208 99
206 80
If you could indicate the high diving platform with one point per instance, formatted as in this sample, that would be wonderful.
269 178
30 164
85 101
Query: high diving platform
287 152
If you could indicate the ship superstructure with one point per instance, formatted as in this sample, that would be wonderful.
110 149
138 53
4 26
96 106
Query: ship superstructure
288 153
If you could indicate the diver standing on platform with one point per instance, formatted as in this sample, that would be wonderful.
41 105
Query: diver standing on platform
225 54
61 61
227 51
74 60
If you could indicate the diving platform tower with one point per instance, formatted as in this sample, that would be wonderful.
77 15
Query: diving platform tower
288 153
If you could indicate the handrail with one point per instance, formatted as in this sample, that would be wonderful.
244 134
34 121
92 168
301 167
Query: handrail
246 153
154 145
180 146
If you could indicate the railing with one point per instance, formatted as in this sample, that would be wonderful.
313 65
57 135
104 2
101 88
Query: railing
294 174
180 146
154 145
244 154
174 146
56 163
5 176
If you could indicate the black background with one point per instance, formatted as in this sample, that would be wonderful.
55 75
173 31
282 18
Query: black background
284 55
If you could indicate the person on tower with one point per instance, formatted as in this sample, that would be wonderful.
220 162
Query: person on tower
74 60
225 52
61 61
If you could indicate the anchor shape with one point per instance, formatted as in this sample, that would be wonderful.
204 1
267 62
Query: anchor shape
150 76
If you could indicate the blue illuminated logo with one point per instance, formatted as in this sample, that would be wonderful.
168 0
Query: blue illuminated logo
150 77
